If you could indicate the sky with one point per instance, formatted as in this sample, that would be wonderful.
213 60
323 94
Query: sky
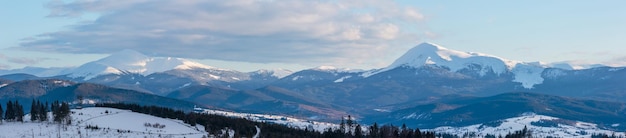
247 35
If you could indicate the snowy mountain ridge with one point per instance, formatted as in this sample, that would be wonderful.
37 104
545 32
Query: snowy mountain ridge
278 73
129 61
430 54
528 74
336 70
133 62
433 54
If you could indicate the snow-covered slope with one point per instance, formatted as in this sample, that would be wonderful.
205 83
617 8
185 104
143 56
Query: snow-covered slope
539 125
429 54
111 123
129 61
278 73
278 119
336 70
433 54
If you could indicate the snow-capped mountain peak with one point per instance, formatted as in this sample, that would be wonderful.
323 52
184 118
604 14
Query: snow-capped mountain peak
125 56
430 54
433 54
130 61
335 69
278 73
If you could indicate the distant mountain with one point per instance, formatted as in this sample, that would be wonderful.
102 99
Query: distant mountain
425 74
4 82
469 111
37 71
269 100
29 89
62 90
131 62
317 77
130 69
428 72
429 54
19 77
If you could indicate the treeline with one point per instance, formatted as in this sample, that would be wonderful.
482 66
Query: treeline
14 112
38 111
606 136
214 124
348 128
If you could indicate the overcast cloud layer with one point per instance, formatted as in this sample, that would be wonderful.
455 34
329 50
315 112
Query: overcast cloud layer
290 31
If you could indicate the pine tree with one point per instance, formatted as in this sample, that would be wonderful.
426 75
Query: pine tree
60 112
43 111
374 130
349 121
9 113
55 112
19 113
342 126
1 113
34 114
417 133
404 131
358 133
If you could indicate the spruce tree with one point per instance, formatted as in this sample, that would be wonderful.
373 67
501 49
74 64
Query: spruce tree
34 114
55 112
358 133
43 111
19 111
9 113
417 133
1 113
342 125
60 112
374 130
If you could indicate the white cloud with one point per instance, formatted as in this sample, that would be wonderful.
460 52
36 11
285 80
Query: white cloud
3 66
290 31
22 60
616 62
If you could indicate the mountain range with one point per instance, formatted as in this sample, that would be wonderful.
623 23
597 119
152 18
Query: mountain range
427 76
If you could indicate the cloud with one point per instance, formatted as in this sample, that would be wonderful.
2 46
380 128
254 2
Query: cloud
616 62
3 66
21 60
263 31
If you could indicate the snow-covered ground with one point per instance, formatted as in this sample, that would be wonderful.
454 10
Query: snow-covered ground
566 130
123 123
289 121
569 129
111 123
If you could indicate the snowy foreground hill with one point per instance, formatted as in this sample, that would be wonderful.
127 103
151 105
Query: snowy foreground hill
113 122
277 119
539 125
110 121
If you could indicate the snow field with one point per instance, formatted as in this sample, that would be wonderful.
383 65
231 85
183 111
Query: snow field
115 123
